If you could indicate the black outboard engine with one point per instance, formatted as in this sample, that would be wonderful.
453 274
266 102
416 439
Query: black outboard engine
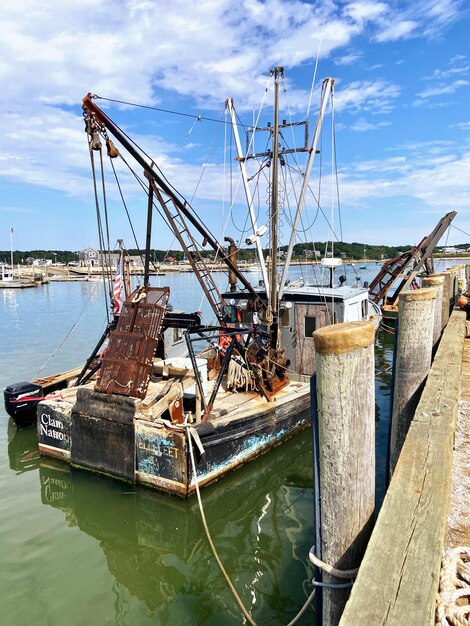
21 400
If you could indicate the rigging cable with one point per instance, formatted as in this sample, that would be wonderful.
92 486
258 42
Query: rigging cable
197 118
336 166
106 221
72 328
297 168
126 209
98 215
316 67
332 208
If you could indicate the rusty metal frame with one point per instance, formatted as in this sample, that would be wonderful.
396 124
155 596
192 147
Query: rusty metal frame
128 360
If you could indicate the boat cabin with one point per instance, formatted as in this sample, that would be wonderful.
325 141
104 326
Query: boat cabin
303 310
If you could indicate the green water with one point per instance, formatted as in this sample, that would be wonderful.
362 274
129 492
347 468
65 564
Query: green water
77 548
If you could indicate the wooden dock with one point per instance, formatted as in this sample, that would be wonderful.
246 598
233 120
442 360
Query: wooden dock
458 522
399 576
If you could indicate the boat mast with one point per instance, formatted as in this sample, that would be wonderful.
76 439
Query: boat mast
328 84
249 197
11 251
273 300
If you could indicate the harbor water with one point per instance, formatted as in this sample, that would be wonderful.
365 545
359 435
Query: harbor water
78 548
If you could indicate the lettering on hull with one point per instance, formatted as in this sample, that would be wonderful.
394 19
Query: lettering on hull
52 431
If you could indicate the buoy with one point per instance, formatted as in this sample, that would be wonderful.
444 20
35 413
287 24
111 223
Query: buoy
463 302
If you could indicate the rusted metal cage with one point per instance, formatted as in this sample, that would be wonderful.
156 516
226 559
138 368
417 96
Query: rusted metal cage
128 360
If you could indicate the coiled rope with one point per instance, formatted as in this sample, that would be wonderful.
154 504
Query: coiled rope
453 601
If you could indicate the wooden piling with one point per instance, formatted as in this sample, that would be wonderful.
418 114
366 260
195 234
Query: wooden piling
454 286
346 414
461 276
445 298
412 361
438 283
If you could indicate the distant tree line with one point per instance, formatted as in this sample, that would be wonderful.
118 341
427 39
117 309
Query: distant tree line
302 251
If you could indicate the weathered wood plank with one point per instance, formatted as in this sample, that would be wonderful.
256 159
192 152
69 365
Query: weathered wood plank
398 578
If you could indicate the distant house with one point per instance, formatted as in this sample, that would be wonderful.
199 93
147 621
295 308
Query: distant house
89 257
450 250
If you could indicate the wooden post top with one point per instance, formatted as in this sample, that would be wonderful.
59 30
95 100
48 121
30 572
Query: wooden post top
434 279
345 337
428 293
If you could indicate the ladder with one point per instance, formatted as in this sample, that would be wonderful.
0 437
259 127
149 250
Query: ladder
191 250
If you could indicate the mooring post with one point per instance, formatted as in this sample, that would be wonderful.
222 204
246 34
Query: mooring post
412 362
454 286
346 424
445 298
438 283
462 278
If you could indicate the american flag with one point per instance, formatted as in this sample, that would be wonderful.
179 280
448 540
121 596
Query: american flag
117 291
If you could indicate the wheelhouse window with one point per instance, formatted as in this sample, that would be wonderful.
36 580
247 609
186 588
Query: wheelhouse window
310 326
364 308
284 318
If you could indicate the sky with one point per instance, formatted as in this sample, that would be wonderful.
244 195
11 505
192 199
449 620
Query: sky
401 109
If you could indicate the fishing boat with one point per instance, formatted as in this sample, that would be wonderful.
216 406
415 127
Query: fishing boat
168 402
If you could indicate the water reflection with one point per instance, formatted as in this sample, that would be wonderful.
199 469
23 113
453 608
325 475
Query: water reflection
383 382
23 451
155 547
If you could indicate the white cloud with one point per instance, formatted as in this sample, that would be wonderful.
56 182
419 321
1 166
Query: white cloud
422 18
444 89
348 59
365 11
362 125
431 173
447 73
376 96
397 30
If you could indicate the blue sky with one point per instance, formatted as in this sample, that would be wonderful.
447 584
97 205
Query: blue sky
402 107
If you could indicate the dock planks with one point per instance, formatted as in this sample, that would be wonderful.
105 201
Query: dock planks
458 522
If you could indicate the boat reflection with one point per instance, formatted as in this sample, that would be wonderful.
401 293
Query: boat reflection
23 451
260 518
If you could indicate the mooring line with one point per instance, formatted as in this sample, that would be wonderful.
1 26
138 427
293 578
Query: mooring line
214 551
209 538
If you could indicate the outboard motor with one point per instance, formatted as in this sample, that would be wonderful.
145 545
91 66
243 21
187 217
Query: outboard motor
21 400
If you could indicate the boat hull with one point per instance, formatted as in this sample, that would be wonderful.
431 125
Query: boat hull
163 458
158 456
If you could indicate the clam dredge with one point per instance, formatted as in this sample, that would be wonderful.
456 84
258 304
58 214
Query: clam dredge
170 401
